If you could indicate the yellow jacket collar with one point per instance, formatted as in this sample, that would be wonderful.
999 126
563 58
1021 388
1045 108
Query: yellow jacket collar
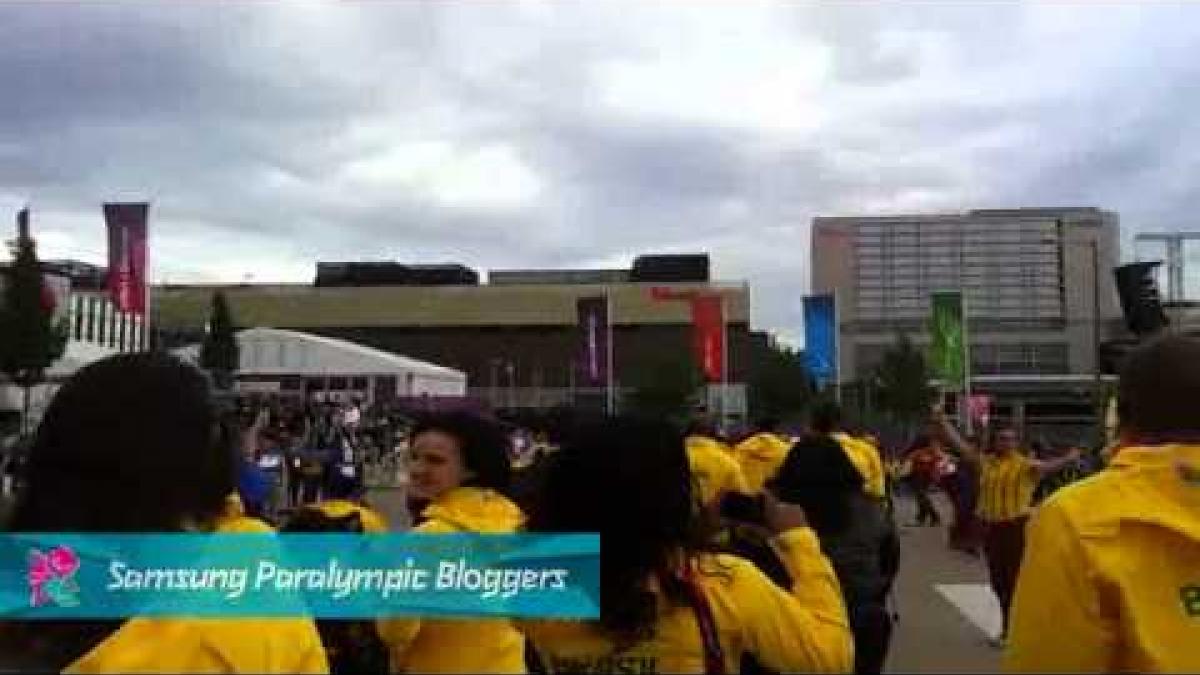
1161 486
476 510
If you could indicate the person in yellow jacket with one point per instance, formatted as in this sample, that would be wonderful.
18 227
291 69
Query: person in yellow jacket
1008 478
128 446
1111 576
459 471
714 468
761 455
665 604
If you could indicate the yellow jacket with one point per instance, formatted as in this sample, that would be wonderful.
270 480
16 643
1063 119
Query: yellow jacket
459 646
372 522
234 519
760 457
802 631
865 458
162 645
714 469
1111 576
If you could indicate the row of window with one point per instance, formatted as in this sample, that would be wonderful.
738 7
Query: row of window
1004 313
992 359
922 292
878 229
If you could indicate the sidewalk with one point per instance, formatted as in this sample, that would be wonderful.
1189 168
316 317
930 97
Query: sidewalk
933 635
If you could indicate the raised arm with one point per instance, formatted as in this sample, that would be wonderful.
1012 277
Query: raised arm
970 453
1049 466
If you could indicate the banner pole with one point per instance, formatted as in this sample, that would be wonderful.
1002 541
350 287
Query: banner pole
837 349
725 365
612 398
966 357
146 323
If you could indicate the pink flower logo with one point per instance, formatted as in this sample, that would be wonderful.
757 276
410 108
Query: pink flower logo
52 577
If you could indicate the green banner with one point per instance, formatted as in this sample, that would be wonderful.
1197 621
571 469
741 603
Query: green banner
948 351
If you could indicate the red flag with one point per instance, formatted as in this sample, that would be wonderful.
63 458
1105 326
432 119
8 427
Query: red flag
127 255
708 324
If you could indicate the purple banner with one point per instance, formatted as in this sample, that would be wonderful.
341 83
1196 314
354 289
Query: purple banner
594 336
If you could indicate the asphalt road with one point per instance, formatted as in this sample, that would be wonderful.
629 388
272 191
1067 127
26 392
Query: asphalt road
947 612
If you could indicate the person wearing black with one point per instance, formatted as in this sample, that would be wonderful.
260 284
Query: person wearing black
854 534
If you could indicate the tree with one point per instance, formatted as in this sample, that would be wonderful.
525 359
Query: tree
902 383
30 341
667 387
219 353
780 386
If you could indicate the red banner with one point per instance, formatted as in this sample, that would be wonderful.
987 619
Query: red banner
127 255
708 324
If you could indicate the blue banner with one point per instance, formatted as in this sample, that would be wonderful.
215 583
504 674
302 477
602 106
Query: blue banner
345 576
820 338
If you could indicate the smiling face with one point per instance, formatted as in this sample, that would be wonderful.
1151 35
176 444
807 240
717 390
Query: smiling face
436 465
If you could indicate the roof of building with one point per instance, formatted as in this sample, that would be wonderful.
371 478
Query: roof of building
1075 212
306 306
307 354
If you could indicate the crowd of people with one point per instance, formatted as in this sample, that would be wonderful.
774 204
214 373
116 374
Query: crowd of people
762 553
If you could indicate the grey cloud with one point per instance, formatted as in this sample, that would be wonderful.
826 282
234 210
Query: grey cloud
237 119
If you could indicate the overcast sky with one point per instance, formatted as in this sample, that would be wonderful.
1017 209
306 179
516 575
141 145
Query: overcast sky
523 134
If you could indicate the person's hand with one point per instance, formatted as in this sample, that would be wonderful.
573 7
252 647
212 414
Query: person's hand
781 516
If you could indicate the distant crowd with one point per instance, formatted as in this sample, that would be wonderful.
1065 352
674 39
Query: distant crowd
767 552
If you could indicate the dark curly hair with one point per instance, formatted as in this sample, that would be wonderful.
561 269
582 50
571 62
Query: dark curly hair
131 443
482 442
628 479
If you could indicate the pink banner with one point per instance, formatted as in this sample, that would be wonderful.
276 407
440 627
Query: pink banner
127 255
979 407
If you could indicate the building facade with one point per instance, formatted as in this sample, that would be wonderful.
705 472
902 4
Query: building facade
517 340
1038 286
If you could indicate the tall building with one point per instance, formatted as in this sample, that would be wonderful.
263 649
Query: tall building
1037 282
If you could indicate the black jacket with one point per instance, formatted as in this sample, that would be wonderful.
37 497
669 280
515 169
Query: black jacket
853 529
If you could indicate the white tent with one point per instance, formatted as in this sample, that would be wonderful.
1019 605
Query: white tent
271 357
75 356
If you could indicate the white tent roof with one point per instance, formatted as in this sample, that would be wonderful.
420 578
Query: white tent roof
275 351
77 355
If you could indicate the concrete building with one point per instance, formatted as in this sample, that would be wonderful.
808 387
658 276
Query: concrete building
516 339
1038 285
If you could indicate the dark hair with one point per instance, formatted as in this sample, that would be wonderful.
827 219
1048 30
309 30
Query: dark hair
483 445
826 417
819 476
130 444
702 426
627 479
766 424
1159 390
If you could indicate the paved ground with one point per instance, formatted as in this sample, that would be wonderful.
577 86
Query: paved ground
947 612
389 502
